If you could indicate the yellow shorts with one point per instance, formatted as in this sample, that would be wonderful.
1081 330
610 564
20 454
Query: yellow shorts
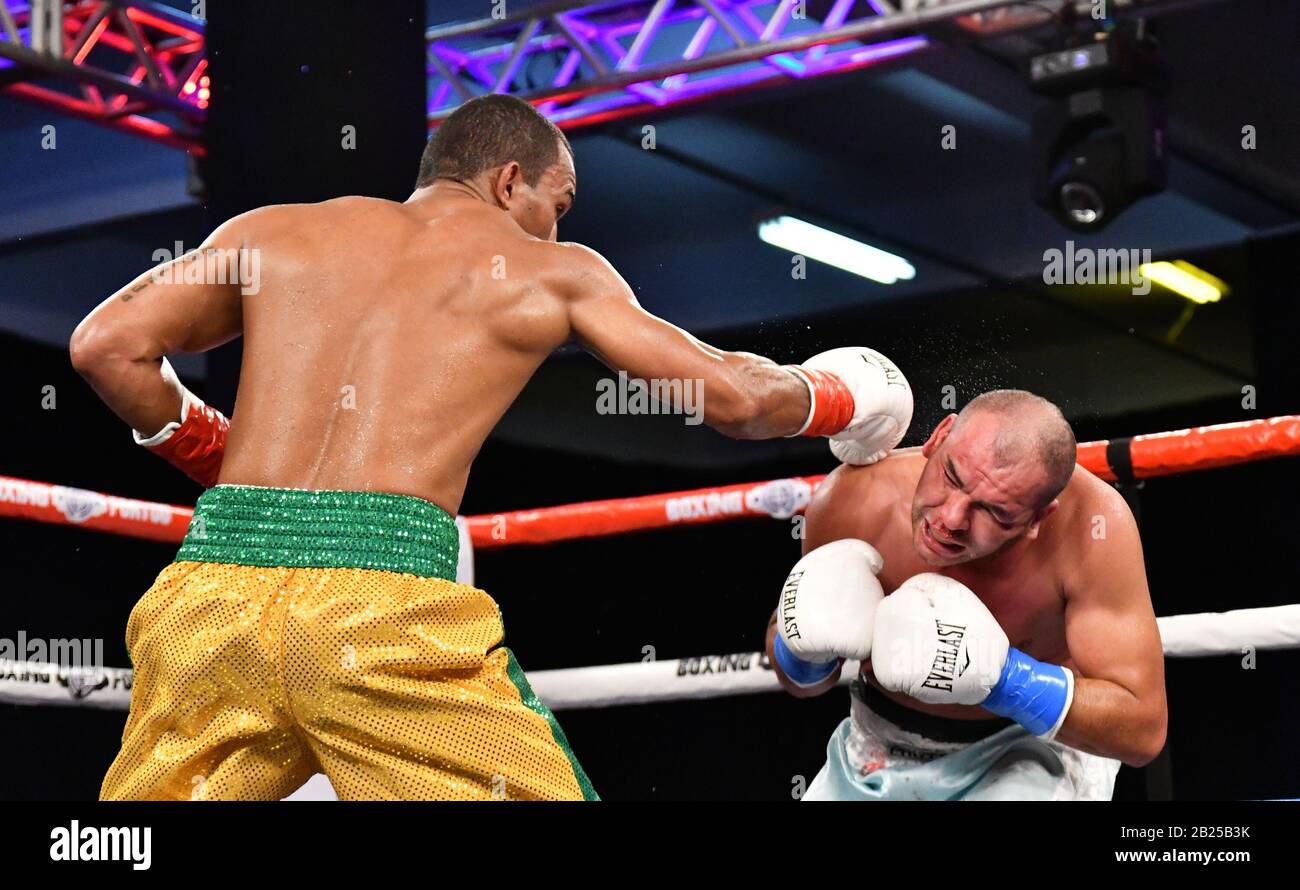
256 670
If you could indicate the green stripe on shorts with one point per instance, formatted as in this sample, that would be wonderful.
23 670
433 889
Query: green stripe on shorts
534 704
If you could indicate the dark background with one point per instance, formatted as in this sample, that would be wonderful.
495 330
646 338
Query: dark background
1216 540
857 151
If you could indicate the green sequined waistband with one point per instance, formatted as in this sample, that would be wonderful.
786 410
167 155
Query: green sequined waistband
252 526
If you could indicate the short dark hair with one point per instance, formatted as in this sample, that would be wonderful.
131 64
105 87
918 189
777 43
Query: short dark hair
488 131
1033 423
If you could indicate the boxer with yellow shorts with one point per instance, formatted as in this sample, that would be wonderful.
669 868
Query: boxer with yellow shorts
319 631
309 622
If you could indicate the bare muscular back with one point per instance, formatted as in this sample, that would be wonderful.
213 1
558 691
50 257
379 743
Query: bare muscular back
384 345
383 341
1025 587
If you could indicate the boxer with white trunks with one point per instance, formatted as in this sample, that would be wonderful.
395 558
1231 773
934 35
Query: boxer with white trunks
1017 654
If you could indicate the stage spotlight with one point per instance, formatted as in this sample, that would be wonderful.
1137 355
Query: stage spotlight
1100 144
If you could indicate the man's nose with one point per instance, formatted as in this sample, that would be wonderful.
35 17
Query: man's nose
955 513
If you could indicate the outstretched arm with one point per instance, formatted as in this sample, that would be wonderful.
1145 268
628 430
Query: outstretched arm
741 395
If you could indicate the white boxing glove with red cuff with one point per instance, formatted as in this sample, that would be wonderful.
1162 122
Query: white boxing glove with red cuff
828 610
859 399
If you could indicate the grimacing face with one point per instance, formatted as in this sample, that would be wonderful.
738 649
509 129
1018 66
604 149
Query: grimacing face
968 504
538 209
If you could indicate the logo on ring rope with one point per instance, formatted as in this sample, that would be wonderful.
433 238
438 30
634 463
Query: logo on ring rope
718 664
82 682
79 505
780 498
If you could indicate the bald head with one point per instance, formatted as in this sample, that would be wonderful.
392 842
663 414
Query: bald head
1029 427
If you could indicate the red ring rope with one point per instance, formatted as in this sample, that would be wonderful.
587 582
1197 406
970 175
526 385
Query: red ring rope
1156 454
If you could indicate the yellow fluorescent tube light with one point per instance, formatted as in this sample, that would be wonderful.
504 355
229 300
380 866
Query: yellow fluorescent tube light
1186 280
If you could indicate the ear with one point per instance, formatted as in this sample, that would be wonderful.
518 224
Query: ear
1032 532
940 433
505 181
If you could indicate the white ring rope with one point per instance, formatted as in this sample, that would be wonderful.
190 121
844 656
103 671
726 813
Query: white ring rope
1228 633
709 676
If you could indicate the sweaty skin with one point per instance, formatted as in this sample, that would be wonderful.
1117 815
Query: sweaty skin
1075 595
385 340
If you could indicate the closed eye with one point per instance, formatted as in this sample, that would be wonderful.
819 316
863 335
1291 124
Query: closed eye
999 520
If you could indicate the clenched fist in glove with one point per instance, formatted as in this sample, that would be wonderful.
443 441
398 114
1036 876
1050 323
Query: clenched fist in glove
859 399
827 610
937 642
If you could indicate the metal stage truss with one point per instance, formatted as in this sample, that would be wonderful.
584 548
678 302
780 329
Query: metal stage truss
132 66
140 67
